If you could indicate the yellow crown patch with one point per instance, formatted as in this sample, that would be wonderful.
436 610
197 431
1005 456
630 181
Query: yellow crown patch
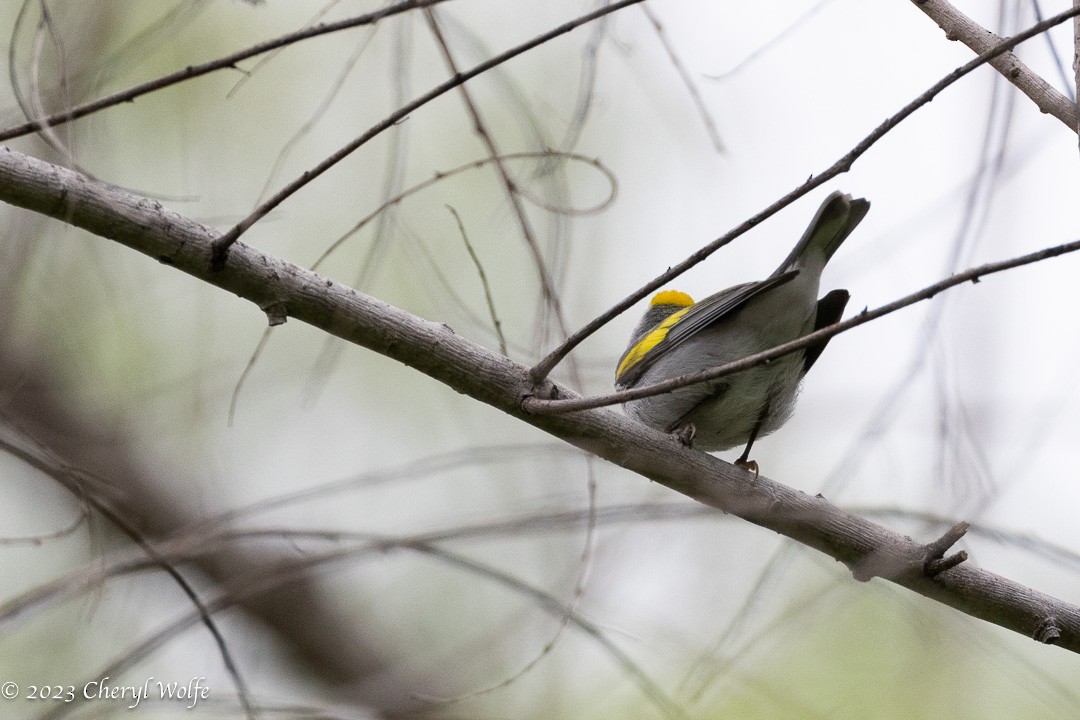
672 297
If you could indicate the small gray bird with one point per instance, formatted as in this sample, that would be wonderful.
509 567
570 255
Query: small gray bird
677 336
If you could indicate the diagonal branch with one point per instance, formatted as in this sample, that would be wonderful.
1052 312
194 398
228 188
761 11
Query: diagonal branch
193 71
868 549
958 26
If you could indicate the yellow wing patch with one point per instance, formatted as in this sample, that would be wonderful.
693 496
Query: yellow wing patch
655 336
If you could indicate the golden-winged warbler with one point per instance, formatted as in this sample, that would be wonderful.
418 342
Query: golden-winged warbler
677 336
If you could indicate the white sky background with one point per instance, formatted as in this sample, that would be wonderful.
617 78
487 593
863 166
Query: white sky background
985 431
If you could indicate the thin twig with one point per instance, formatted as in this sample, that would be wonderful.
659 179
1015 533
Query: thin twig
320 110
1076 61
223 243
38 540
483 280
691 87
973 275
772 43
321 13
47 27
192 71
441 175
542 369
586 92
234 399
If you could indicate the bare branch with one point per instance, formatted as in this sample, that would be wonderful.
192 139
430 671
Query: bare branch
222 245
496 323
1076 59
547 282
495 380
684 75
192 71
958 26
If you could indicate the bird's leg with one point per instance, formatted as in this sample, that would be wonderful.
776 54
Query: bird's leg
744 460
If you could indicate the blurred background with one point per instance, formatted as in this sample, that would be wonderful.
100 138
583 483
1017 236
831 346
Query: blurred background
372 544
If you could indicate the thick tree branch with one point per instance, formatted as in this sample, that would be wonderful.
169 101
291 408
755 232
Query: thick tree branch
1076 61
958 26
283 289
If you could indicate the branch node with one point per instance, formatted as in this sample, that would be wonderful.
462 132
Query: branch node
934 560
219 252
276 313
936 566
863 570
1048 632
539 396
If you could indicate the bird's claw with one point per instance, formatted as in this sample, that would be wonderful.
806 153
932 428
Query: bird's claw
685 434
748 466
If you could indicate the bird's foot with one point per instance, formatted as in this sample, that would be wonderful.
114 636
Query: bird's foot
685 434
749 466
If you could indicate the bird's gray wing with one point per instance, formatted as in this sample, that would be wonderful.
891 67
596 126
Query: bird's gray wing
721 305
700 316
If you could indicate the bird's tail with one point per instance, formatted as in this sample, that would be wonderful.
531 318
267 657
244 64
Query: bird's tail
834 221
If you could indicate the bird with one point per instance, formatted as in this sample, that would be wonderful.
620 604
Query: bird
677 336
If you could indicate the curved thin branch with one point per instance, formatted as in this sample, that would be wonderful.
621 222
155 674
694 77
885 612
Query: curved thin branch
222 244
866 548
687 80
441 175
492 311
